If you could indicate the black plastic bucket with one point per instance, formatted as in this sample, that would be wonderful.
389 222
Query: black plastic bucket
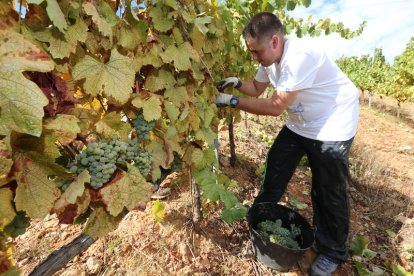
270 254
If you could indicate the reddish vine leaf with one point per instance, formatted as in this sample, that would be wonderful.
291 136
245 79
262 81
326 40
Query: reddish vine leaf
36 187
75 190
18 54
21 101
5 163
129 191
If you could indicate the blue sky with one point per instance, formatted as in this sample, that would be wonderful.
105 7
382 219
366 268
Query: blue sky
390 25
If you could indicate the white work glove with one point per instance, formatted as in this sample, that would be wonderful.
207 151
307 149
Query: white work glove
228 82
223 100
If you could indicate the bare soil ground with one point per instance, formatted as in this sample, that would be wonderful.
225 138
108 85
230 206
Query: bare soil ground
382 196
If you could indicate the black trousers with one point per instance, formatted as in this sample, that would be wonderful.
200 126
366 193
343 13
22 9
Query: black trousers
330 174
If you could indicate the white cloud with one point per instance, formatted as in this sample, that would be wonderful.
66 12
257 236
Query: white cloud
390 25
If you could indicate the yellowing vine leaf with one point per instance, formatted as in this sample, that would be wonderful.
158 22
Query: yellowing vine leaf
160 19
198 38
159 156
180 55
21 104
114 78
158 210
56 15
129 191
112 125
172 111
163 79
101 223
64 123
17 54
152 109
177 95
36 187
201 22
75 190
7 212
104 26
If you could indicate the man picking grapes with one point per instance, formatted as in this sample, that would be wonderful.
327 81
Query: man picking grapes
322 106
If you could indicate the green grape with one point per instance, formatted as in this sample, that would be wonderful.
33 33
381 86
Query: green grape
84 161
143 127
143 162
73 169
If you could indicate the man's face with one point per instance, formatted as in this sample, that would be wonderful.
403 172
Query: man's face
265 52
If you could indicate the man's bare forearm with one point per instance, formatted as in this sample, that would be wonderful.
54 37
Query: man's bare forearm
252 88
260 107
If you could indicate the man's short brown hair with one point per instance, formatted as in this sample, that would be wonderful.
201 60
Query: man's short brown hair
263 25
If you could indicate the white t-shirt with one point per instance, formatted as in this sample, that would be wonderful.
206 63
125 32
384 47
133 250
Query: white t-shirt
326 107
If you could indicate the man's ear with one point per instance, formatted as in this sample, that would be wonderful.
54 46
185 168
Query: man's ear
275 41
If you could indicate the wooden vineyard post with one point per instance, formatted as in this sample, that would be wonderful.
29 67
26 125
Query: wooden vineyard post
58 259
232 144
196 198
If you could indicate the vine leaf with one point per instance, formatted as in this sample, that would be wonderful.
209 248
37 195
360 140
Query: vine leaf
18 225
44 145
101 223
152 109
162 80
37 2
203 159
7 212
17 54
104 25
172 111
21 101
201 22
159 158
158 210
161 22
112 125
172 142
177 95
152 57
130 190
234 214
21 104
56 15
5 163
36 187
180 55
64 123
75 190
198 38
114 78
207 181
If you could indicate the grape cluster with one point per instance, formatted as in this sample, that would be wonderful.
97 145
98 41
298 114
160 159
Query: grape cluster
275 233
143 127
101 159
64 184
